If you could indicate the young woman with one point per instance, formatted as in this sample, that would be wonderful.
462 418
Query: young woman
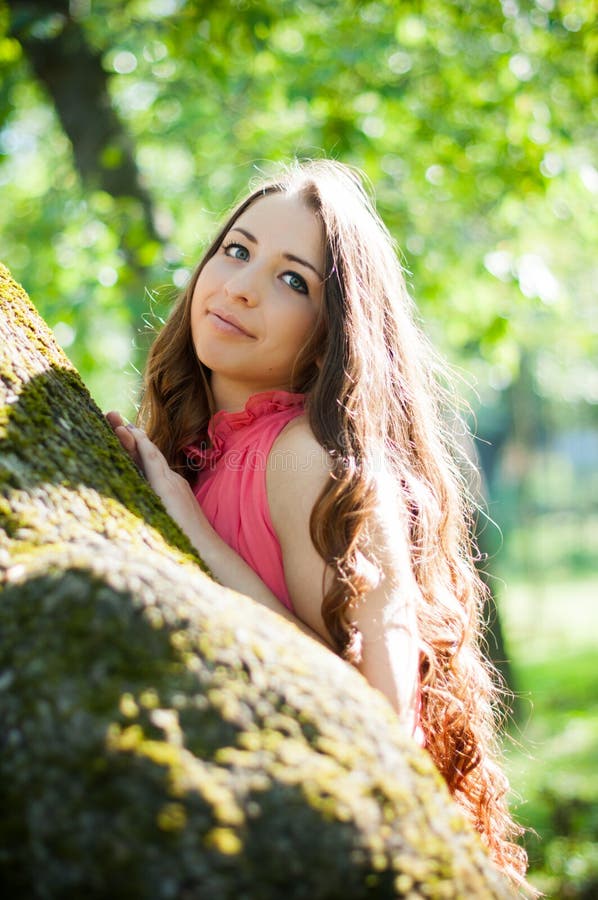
294 429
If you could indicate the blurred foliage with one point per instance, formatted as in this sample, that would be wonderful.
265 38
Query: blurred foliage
471 119
553 761
562 794
474 122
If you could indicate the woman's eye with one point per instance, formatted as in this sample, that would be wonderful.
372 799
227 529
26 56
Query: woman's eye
237 251
296 282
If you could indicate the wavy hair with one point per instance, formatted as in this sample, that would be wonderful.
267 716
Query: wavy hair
375 392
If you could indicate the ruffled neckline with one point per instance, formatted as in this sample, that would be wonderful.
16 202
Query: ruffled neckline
223 423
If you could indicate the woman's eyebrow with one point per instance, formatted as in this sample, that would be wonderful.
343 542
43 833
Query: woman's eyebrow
249 236
290 256
303 262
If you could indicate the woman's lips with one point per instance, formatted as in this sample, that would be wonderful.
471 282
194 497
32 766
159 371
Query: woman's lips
226 323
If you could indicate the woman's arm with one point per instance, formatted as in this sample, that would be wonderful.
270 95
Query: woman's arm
386 619
228 567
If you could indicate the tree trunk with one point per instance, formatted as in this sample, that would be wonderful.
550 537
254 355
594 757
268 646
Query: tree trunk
72 73
162 736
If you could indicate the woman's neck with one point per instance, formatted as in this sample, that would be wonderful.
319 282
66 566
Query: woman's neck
232 396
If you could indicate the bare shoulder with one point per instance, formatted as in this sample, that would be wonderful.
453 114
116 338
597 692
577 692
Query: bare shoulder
298 467
297 472
297 451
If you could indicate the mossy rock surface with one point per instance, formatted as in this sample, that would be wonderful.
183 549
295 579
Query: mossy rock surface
162 736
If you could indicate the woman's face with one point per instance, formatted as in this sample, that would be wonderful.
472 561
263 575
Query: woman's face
257 299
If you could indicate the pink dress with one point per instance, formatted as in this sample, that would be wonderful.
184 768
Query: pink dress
231 482
231 486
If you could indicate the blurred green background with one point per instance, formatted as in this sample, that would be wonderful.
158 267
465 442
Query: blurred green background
128 128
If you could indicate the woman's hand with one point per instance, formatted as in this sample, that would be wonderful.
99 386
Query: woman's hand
175 493
125 435
172 489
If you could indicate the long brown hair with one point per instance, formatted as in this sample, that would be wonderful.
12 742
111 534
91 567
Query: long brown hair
373 394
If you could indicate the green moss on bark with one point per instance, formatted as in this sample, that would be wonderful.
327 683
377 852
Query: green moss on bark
164 737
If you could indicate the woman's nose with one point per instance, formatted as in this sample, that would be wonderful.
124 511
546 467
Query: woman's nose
244 286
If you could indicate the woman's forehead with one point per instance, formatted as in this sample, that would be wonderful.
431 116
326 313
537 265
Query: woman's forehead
280 218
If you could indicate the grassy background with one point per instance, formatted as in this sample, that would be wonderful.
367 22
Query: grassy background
552 755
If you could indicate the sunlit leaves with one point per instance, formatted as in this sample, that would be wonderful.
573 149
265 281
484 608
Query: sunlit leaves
472 120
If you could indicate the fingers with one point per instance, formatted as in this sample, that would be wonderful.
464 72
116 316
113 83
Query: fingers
121 430
142 451
151 459
125 434
128 441
147 449
114 419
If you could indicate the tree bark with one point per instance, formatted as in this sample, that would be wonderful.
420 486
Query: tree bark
162 736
